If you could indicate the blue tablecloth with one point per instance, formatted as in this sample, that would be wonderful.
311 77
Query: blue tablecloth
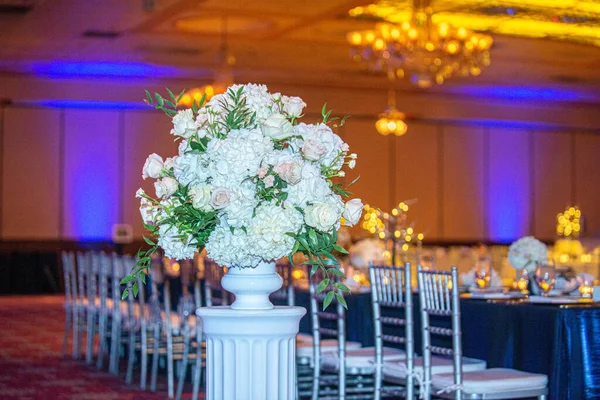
563 343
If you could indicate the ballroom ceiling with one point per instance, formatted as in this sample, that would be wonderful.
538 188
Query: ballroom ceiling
272 40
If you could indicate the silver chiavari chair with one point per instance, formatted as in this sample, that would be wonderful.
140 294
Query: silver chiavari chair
71 312
83 305
351 369
214 294
92 304
105 306
440 299
286 293
391 293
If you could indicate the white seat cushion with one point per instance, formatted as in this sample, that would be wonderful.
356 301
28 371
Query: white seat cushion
305 349
304 337
439 365
363 358
494 380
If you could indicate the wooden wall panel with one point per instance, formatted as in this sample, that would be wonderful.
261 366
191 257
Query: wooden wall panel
92 172
587 181
30 192
373 164
417 176
144 133
509 184
463 183
552 180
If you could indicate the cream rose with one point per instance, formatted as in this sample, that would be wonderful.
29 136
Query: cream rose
169 162
352 211
313 150
277 127
289 171
220 198
269 180
201 197
322 216
165 187
293 106
184 124
152 166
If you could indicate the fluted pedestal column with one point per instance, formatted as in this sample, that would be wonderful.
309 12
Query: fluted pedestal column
250 354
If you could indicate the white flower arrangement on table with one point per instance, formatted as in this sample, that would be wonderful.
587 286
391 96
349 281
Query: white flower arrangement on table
526 253
250 184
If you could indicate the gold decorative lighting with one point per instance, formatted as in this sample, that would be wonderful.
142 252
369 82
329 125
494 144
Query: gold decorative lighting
392 120
569 222
421 50
573 20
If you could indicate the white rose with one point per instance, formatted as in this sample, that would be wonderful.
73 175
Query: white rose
352 164
352 211
152 166
184 124
165 187
170 162
289 171
313 150
220 198
277 127
293 106
201 197
322 216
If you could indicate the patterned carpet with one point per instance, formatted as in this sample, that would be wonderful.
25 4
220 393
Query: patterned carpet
32 366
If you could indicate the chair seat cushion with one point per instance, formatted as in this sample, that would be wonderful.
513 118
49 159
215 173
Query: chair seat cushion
305 349
494 380
304 337
439 365
363 358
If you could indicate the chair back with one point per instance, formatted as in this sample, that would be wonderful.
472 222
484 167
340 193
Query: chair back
328 323
68 265
214 294
286 293
83 273
439 298
391 291
105 272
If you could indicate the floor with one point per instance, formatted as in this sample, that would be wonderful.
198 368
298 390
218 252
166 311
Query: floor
32 366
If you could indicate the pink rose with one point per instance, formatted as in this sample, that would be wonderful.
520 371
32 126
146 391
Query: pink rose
269 180
289 171
313 150
220 198
262 172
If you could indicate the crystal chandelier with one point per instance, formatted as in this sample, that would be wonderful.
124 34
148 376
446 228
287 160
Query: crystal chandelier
421 50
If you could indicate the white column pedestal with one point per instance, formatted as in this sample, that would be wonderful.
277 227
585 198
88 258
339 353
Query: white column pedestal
250 354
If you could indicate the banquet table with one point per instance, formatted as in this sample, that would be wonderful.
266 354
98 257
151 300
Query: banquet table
559 341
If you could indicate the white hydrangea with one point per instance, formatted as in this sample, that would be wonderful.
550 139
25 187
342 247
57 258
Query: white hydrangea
191 169
268 230
242 204
174 246
311 188
527 253
258 100
229 248
238 156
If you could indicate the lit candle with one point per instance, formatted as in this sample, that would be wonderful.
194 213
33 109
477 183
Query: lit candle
586 290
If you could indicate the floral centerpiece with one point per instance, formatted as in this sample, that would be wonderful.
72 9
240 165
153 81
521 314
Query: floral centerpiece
526 253
250 184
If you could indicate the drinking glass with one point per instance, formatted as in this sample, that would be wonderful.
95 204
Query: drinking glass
483 272
545 277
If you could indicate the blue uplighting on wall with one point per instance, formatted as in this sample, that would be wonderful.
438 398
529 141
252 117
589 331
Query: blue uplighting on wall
71 69
88 104
524 93
508 186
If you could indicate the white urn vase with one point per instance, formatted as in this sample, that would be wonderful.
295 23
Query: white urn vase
251 345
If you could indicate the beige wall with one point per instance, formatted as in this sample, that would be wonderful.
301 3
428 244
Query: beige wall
473 180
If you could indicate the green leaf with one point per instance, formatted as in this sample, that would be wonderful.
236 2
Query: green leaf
341 286
324 110
150 242
323 285
313 238
341 299
328 300
180 95
159 99
354 181
314 269
340 249
135 289
125 294
336 272
148 98
172 95
127 279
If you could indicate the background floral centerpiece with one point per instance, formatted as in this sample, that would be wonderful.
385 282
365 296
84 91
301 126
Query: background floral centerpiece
250 183
526 253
